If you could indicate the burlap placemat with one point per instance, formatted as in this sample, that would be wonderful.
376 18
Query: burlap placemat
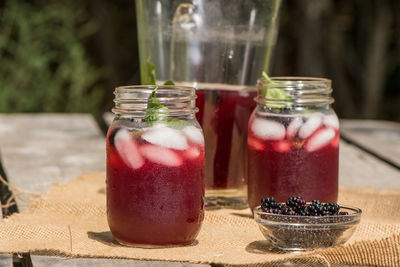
70 220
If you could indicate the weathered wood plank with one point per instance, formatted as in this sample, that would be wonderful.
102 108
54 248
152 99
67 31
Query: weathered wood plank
40 150
379 137
5 260
39 261
358 169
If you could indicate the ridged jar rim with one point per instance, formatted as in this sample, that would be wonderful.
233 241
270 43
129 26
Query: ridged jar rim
303 91
185 91
132 99
297 80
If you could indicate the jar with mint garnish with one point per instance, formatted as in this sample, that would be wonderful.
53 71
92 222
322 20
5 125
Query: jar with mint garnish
155 167
293 141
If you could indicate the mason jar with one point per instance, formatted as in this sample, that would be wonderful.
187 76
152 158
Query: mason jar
155 167
293 141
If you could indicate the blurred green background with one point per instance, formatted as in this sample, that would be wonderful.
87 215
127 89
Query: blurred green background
67 56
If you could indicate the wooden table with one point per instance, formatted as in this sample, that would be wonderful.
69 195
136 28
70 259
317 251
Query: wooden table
40 150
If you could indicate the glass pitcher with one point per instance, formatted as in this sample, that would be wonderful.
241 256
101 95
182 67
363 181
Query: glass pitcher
221 48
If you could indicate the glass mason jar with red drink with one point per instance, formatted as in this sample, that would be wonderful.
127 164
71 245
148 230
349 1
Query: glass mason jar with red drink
293 141
155 167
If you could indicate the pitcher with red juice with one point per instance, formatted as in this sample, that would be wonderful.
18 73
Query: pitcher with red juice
293 141
224 111
219 47
155 167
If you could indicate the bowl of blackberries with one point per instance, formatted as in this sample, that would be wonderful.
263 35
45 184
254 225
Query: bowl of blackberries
297 225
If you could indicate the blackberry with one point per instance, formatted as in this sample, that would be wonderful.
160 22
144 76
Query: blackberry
289 211
275 205
267 203
312 210
301 202
332 208
302 212
111 137
316 202
291 201
280 205
295 201
276 211
298 206
268 200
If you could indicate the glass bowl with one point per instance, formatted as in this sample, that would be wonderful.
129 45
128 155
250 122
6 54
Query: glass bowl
302 233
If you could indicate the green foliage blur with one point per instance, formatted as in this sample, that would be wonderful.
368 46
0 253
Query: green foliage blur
67 56
43 63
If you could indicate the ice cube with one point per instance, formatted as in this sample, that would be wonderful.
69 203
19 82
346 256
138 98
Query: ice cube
166 137
294 127
254 144
331 121
161 155
335 141
266 129
282 146
311 125
192 152
157 125
320 139
128 149
194 134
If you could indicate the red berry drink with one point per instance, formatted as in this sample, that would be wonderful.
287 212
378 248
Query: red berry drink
293 156
223 115
155 185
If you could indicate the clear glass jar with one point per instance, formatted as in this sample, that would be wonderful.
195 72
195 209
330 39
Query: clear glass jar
155 168
293 143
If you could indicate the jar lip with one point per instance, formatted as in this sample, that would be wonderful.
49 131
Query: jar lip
298 91
132 100
299 79
297 82
135 88
320 100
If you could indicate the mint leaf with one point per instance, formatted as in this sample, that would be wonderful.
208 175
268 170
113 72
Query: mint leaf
177 124
155 110
276 93
169 82
268 91
266 82
266 78
151 73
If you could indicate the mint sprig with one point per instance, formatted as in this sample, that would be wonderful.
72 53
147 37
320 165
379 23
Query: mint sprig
270 91
155 110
